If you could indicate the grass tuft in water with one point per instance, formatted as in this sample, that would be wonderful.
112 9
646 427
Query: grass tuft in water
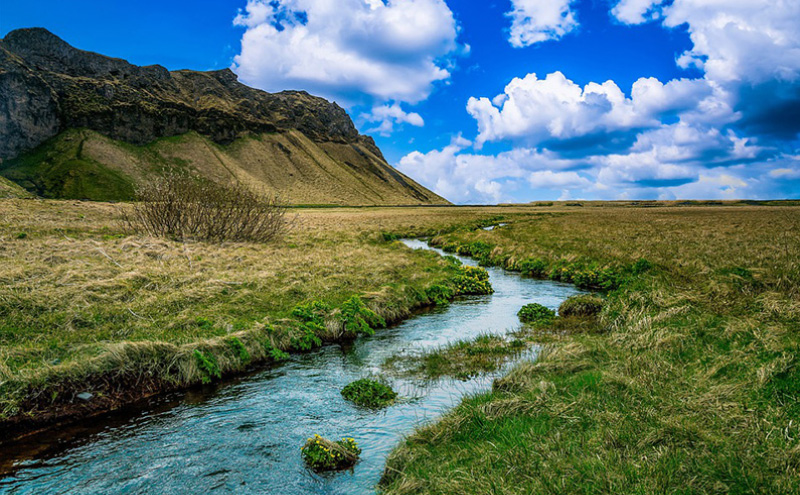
535 313
321 454
370 393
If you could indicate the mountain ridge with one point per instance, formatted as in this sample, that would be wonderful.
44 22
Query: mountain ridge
48 87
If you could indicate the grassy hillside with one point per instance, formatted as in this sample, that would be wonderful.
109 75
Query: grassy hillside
82 164
688 383
9 189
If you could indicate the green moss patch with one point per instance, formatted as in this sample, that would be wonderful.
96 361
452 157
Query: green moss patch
536 313
369 393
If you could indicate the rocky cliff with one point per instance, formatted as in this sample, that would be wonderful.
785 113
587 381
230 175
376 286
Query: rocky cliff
48 88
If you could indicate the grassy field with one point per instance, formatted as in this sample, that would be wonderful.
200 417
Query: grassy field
85 306
689 382
686 383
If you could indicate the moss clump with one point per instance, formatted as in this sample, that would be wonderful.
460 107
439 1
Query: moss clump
536 313
208 366
369 393
472 281
321 454
581 305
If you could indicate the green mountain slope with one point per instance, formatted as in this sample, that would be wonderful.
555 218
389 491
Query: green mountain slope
84 164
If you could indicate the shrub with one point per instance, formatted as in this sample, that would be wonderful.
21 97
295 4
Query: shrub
181 206
358 318
312 315
536 313
306 340
472 280
533 267
22 235
208 366
369 393
321 454
581 305
239 349
440 295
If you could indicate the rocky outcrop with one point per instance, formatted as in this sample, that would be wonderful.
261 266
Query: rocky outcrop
47 86
68 118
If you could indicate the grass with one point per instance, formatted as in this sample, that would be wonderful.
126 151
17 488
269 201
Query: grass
83 164
321 454
462 360
366 392
690 383
86 305
687 382
535 313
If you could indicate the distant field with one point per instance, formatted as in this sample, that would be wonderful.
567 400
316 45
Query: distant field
690 382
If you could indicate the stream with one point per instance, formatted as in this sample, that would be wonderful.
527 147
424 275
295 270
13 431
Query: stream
244 436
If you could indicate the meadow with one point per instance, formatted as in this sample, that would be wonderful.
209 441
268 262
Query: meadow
86 306
687 382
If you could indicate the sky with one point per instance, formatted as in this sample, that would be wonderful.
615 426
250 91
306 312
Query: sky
507 100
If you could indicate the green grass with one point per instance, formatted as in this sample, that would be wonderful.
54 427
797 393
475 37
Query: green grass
687 384
60 169
370 393
463 359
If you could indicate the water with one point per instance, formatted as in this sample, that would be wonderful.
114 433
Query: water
245 436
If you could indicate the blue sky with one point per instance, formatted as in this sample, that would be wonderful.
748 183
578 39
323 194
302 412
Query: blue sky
512 100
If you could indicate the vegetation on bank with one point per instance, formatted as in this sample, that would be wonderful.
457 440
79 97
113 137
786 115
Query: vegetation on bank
367 392
688 382
88 306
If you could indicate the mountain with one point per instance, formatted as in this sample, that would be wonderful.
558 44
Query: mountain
79 125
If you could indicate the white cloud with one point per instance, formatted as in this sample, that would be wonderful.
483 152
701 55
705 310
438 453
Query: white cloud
734 40
534 110
347 49
636 11
547 179
387 116
534 21
465 177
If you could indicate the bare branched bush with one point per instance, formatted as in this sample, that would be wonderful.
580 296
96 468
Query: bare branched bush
183 207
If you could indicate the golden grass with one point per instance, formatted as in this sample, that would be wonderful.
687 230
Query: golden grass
86 305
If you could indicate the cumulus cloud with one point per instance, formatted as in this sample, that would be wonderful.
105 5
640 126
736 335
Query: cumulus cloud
734 132
387 116
533 110
466 177
348 50
636 11
534 21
